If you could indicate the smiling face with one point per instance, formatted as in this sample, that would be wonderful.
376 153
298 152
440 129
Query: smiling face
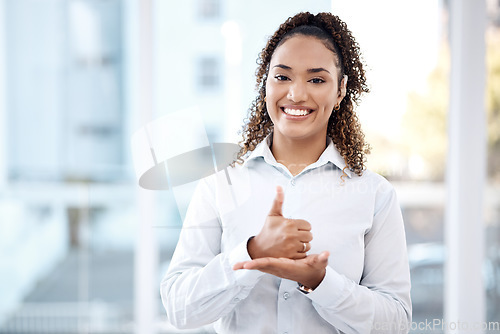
302 89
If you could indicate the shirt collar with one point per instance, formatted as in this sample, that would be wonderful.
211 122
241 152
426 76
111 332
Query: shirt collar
262 151
330 154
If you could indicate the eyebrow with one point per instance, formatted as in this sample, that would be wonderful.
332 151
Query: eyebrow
310 70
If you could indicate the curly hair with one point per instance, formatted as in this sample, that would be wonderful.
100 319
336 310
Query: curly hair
343 126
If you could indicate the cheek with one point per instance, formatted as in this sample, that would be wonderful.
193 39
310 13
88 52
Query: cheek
329 100
269 91
271 97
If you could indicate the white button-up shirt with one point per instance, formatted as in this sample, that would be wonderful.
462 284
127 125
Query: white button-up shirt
356 218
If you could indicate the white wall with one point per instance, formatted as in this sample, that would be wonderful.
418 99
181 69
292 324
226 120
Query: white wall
3 97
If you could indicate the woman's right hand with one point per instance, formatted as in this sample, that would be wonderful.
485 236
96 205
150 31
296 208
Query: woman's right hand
281 237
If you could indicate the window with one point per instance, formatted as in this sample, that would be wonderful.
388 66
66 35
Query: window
209 9
208 73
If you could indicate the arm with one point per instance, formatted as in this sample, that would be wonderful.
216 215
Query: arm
381 301
200 285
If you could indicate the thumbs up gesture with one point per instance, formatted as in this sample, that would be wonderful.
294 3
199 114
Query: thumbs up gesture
281 237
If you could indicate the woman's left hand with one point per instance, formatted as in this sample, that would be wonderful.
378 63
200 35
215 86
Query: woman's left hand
309 271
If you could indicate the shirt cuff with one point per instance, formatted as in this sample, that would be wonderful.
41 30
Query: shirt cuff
243 277
331 291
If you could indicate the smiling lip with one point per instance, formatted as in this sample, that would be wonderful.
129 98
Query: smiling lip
296 112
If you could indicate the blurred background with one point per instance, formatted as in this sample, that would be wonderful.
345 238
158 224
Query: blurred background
73 251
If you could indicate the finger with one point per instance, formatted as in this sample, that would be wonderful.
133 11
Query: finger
302 225
308 246
276 209
300 254
257 264
304 236
304 249
267 263
239 265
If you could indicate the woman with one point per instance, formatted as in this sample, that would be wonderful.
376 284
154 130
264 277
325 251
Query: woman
318 243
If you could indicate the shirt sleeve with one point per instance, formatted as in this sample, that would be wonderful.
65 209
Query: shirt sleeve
200 285
380 303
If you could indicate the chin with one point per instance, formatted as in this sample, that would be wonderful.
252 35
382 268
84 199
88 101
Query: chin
296 135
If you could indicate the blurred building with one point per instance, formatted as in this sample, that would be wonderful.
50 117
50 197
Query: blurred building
65 111
206 56
68 107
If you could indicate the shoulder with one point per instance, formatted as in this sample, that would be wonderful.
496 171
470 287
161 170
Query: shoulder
385 197
376 182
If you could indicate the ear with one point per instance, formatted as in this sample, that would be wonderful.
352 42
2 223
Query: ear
342 88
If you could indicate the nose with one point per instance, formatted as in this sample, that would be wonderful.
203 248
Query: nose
297 92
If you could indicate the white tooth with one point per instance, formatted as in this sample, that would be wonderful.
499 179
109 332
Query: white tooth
296 112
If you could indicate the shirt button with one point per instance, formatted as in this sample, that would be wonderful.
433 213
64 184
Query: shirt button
292 182
286 295
236 300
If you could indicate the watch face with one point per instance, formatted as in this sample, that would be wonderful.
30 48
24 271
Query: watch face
304 289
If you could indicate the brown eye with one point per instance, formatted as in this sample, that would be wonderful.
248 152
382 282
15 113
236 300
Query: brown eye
317 80
280 77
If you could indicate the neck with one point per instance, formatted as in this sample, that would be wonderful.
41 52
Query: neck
296 154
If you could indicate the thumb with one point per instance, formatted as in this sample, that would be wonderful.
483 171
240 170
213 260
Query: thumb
276 209
323 257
